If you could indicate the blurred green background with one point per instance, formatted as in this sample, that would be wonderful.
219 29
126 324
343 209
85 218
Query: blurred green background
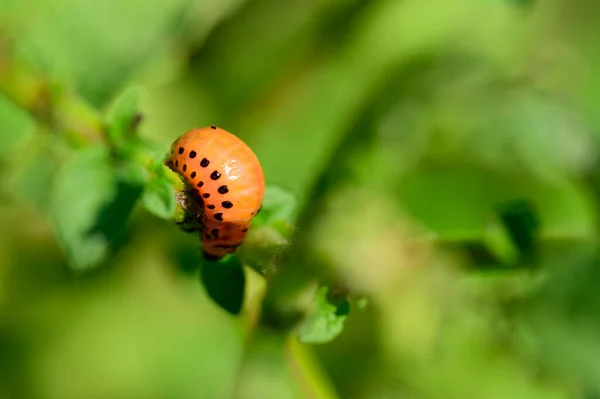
435 162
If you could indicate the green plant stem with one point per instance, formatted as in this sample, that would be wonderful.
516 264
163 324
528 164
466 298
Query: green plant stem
307 371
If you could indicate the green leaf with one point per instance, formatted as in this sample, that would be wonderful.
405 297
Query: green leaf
15 126
325 322
271 232
225 283
89 207
521 222
123 116
279 205
159 198
40 171
113 216
264 247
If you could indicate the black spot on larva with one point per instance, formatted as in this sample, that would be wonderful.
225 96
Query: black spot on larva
223 190
193 175
181 150
227 204
200 184
215 175
193 154
218 216
244 230
184 168
208 237
210 206
204 163
176 163
259 209
213 127
196 196
206 195
215 233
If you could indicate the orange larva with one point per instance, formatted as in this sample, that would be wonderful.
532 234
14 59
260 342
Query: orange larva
226 179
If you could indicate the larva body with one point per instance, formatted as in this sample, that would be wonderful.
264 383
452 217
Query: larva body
226 179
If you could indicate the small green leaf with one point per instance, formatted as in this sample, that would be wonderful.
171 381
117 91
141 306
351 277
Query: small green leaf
123 115
159 198
225 283
90 207
325 322
279 205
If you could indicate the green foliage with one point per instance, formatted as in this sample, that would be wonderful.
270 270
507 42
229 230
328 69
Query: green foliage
34 181
325 321
225 283
436 236
278 207
123 117
272 230
15 127
159 197
84 186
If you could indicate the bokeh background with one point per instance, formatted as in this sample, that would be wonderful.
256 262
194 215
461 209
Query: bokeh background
437 159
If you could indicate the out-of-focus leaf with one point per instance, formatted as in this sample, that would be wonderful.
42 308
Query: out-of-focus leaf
124 115
159 197
559 322
112 218
509 239
225 283
15 126
264 247
133 172
37 176
89 207
522 224
279 205
266 51
553 140
499 242
98 48
325 322
271 231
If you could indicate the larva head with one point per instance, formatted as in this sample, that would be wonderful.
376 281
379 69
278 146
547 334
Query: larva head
227 181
